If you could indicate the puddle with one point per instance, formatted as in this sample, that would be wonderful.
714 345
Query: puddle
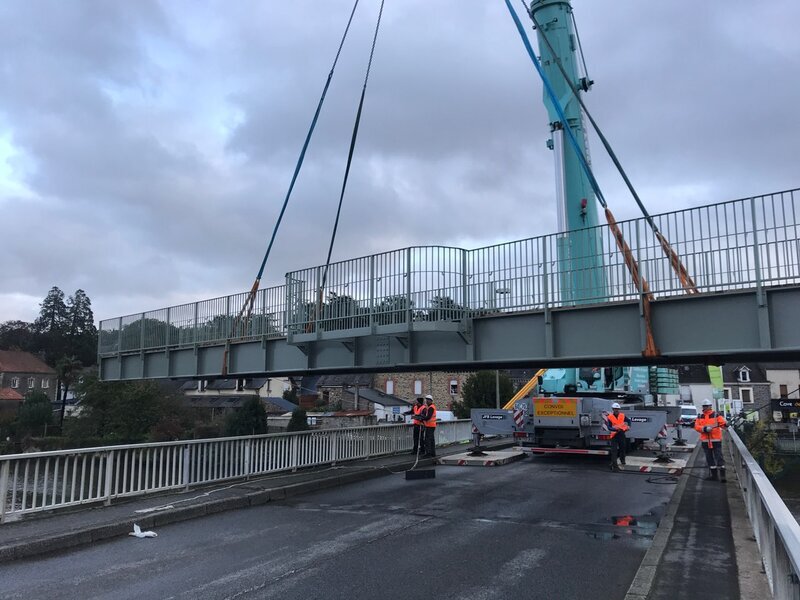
621 526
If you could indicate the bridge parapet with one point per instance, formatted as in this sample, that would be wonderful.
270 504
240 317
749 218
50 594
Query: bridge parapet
743 244
776 530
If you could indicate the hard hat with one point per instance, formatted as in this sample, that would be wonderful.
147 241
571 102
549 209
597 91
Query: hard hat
420 399
616 405
429 397
707 402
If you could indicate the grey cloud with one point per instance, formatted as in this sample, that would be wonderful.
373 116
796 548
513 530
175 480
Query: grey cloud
163 135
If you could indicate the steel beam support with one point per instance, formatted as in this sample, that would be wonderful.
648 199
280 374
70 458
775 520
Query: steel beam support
764 334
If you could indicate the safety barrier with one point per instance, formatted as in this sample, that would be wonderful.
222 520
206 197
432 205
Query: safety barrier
43 481
776 530
741 244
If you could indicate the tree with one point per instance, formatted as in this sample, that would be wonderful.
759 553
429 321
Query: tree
479 391
762 444
250 419
81 332
53 316
299 421
291 395
17 335
35 414
52 325
67 370
126 412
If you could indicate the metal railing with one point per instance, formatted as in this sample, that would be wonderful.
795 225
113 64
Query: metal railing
776 530
741 244
43 481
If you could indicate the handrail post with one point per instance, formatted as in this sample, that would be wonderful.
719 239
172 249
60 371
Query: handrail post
294 451
110 455
756 254
187 469
4 489
408 287
247 467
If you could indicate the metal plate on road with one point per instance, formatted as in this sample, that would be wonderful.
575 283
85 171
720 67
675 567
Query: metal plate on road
555 407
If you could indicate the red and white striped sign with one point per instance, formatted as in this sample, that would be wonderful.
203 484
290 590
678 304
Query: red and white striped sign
519 417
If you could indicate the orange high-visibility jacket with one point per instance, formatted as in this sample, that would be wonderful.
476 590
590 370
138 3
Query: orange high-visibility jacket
620 421
431 414
710 419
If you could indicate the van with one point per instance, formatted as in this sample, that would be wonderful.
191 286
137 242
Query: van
688 415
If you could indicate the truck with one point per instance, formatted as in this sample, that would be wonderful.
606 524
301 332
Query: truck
569 424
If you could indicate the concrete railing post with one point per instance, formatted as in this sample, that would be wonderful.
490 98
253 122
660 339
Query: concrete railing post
187 467
110 455
4 490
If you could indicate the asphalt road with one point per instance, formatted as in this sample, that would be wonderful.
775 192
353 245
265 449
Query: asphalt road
539 528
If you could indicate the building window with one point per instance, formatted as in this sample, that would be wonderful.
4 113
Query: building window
746 394
744 374
240 385
726 393
31 382
45 383
454 387
15 382
784 391
390 386
418 387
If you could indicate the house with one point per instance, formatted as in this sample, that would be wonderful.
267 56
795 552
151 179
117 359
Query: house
222 396
22 372
444 386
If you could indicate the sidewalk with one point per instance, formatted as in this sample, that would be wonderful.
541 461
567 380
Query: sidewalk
704 547
59 530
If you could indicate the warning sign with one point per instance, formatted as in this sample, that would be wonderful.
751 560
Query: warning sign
555 407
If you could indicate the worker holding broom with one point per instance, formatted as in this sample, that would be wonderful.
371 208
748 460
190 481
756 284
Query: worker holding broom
709 425
417 424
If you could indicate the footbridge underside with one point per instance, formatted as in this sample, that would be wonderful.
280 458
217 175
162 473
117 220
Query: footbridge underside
534 301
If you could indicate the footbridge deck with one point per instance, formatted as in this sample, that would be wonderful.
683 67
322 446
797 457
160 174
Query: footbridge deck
531 301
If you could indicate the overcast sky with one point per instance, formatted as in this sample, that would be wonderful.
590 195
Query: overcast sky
146 146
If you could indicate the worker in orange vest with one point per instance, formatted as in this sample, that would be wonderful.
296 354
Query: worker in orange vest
618 423
417 424
709 425
429 419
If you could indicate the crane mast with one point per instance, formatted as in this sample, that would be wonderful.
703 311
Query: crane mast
581 275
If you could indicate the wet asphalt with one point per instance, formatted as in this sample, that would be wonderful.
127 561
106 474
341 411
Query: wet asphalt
543 527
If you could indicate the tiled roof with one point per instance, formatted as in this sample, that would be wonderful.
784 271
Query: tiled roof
281 403
730 373
378 397
349 379
15 361
9 394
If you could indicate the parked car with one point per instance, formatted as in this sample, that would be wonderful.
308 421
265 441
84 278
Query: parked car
688 415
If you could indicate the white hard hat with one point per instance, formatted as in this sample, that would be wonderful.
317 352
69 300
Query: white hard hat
616 405
428 397
706 402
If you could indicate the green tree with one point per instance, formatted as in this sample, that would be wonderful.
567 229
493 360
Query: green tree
299 421
35 414
479 391
18 335
126 412
762 443
68 369
291 395
51 326
250 419
81 332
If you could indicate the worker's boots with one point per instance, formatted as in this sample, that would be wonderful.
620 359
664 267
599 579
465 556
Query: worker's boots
722 474
712 475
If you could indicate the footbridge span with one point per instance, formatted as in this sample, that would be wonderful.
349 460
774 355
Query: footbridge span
437 307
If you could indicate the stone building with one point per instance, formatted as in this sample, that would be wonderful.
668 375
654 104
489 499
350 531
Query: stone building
444 386
22 372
